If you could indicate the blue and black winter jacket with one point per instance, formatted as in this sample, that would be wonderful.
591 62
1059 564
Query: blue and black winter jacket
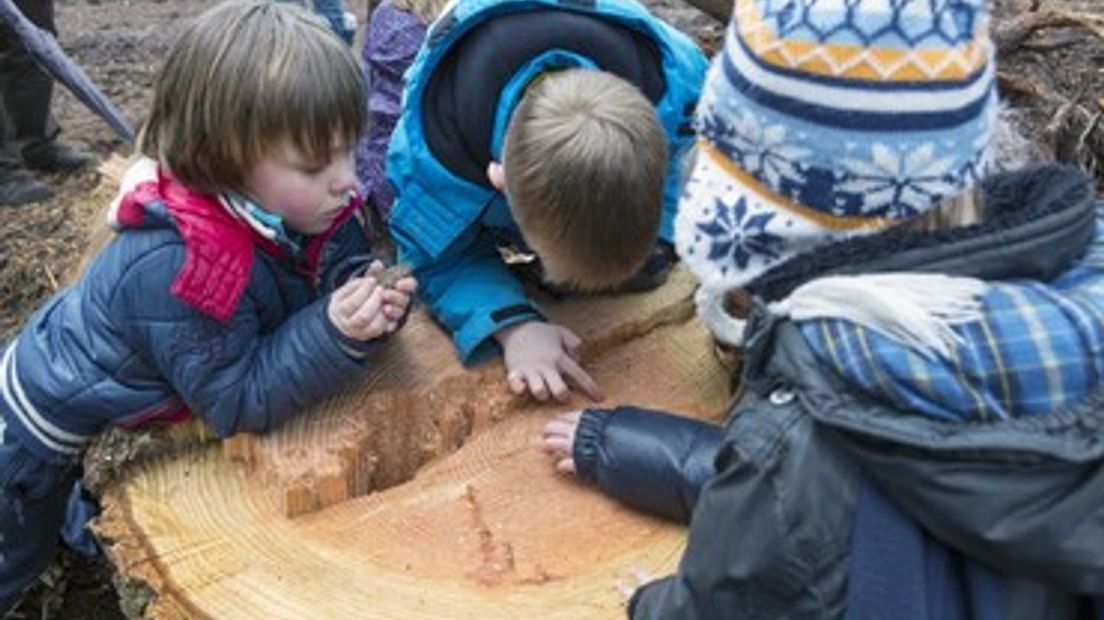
866 490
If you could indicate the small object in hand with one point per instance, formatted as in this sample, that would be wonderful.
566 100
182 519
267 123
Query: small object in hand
393 274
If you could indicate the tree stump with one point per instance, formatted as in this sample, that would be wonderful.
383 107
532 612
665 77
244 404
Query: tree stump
420 492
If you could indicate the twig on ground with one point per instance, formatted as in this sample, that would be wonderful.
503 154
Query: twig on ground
1011 84
1012 34
50 276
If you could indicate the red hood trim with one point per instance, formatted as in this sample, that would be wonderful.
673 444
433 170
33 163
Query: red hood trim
219 247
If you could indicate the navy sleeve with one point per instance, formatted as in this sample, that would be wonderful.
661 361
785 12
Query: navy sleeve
233 374
655 462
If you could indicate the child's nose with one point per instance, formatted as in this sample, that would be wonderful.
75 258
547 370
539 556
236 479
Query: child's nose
344 179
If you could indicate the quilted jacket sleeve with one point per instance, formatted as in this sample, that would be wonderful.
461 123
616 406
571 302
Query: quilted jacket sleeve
233 374
653 461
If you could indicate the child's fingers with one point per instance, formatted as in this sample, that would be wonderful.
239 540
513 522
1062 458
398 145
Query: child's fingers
556 445
351 286
343 291
396 298
362 289
566 466
368 311
375 268
394 310
537 388
624 589
407 285
581 378
639 577
558 426
572 343
557 438
516 381
556 385
378 326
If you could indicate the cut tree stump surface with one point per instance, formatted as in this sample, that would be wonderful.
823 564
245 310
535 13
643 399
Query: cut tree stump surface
420 492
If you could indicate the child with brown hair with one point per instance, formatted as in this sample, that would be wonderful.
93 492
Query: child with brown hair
548 127
918 432
236 288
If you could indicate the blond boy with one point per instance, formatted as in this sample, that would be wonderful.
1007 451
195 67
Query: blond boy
553 128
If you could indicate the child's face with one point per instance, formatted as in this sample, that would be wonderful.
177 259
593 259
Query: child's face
307 196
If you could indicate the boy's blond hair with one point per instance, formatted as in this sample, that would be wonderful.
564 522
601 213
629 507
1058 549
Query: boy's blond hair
245 78
585 159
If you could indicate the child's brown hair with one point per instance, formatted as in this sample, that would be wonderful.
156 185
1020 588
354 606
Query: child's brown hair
244 78
585 160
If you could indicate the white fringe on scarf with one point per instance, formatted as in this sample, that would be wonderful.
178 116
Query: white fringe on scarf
917 310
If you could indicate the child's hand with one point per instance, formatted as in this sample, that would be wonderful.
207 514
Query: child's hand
399 288
362 309
539 356
558 440
638 578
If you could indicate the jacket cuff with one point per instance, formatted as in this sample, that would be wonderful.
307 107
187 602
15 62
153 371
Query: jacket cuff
589 442
475 338
634 600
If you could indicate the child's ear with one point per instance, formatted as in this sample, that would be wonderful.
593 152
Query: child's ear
497 176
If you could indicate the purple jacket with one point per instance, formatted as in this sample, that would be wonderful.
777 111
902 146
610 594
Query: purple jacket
392 41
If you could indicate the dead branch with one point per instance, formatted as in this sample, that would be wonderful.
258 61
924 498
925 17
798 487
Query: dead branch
1011 84
1011 35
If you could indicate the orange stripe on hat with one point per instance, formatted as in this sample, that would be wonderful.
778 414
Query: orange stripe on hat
855 61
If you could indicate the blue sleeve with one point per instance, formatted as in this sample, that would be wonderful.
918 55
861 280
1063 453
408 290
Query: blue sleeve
685 74
469 290
653 461
672 188
233 375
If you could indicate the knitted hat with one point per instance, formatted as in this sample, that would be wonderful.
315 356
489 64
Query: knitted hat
824 119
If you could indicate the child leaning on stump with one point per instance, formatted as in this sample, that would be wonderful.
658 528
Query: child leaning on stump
239 287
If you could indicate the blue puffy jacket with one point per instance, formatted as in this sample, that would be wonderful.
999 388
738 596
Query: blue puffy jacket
448 220
169 318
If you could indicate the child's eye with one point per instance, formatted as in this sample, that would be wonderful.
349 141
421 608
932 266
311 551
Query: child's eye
312 170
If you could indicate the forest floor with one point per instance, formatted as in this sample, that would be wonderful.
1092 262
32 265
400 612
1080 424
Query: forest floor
1051 59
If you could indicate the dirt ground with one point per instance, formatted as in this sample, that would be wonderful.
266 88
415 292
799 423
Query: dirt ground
1051 74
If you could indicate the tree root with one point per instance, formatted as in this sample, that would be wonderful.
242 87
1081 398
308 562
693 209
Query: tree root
1012 34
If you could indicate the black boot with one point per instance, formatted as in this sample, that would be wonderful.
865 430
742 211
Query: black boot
18 187
53 156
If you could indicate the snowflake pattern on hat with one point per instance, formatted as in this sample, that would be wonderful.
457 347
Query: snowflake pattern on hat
824 119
